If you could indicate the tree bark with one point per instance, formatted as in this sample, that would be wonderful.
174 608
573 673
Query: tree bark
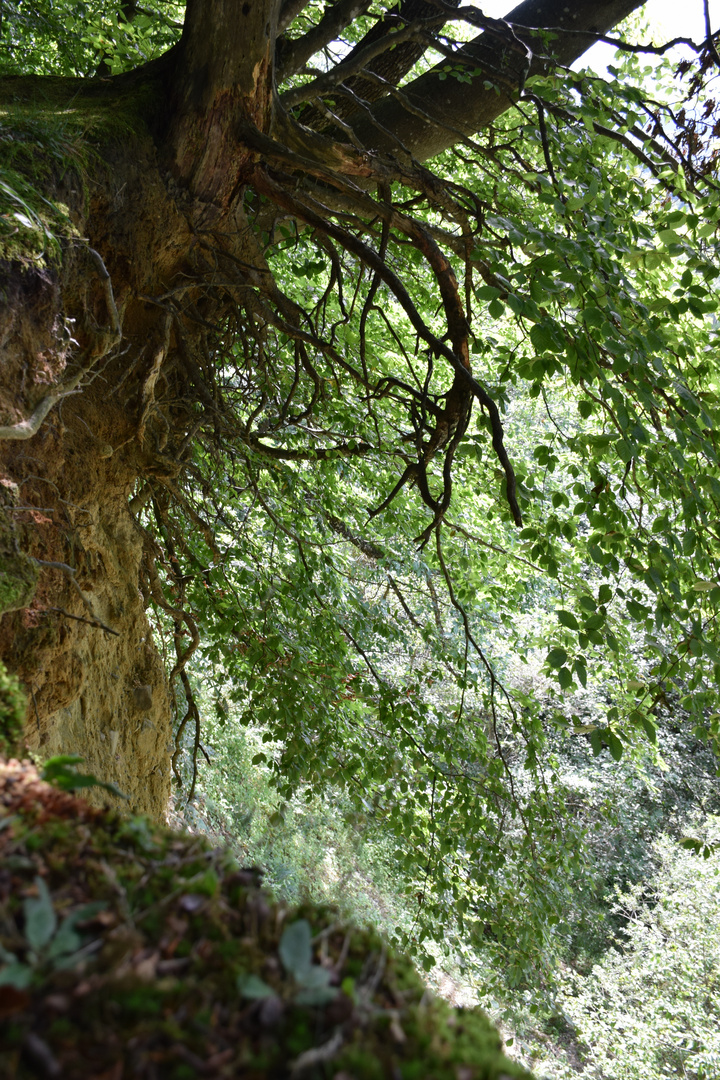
438 110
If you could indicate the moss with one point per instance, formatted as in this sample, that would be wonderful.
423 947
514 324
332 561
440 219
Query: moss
18 573
35 156
12 712
52 133
155 986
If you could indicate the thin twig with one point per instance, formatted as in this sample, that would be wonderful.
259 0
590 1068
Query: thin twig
79 618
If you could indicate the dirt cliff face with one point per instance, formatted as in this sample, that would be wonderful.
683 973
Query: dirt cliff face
81 642
83 679
74 628
103 387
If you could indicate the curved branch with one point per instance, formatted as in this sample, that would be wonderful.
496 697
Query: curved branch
457 325
293 55
25 429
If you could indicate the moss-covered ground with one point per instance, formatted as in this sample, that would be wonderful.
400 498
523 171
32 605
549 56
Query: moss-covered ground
52 132
128 951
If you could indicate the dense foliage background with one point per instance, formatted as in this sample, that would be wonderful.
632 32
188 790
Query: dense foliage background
473 726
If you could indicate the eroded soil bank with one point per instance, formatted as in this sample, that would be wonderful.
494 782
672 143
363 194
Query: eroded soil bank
82 346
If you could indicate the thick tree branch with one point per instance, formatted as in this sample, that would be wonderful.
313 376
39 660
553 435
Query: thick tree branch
390 65
290 10
471 106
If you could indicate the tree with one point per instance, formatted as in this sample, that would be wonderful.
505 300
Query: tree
237 297
648 1007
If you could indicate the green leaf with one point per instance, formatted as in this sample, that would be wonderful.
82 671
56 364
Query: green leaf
58 766
68 940
60 772
296 948
321 996
614 745
650 729
315 987
17 975
252 987
40 917
567 619
565 678
556 657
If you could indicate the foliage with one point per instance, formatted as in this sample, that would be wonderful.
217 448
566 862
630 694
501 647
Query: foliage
651 1007
188 967
80 38
387 671
47 944
321 850
312 850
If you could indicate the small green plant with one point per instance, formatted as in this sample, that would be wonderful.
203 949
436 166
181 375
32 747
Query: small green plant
23 228
12 712
49 946
295 950
60 771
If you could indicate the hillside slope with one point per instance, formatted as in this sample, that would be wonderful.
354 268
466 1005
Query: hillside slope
131 951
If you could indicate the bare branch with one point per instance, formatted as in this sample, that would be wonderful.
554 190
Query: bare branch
294 54
290 11
25 429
